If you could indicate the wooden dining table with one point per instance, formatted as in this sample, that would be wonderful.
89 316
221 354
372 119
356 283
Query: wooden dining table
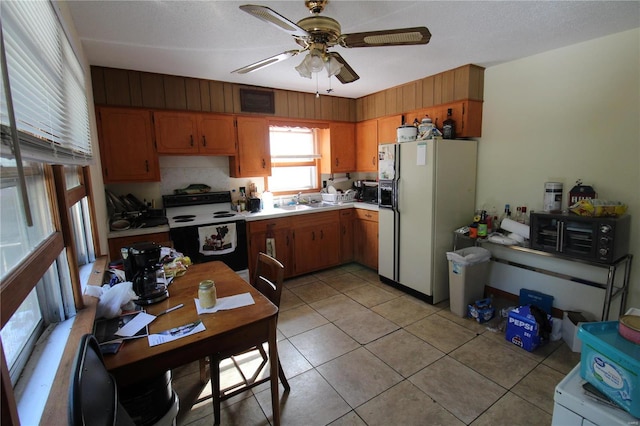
230 330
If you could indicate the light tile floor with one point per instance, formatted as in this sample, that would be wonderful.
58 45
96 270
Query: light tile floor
359 352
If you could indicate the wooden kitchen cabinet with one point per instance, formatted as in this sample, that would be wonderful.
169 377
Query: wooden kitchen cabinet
127 148
180 133
467 115
280 230
254 156
366 238
115 244
387 128
339 148
316 241
367 146
346 235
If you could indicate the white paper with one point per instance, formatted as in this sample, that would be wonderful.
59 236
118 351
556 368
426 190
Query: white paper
421 156
176 333
224 303
136 324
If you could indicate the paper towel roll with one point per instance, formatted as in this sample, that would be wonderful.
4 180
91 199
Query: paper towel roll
515 227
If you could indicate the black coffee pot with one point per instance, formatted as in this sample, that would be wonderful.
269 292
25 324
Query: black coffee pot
142 267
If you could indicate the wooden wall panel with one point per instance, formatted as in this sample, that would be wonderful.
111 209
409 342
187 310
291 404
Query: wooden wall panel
135 89
152 90
359 109
192 90
293 109
437 89
461 83
205 95
391 102
116 84
302 105
281 100
216 92
380 100
427 91
476 83
97 84
326 104
448 83
409 96
175 93
231 97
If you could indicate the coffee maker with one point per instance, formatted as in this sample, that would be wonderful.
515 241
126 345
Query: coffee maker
142 267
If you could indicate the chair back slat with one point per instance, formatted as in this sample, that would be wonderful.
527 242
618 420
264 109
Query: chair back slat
269 277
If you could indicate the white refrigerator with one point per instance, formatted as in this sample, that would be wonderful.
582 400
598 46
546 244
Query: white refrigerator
426 190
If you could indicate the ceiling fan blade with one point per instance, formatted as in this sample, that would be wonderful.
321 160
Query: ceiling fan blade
397 37
274 18
346 74
266 62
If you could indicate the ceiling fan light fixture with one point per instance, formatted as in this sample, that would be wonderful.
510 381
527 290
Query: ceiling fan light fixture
333 66
303 69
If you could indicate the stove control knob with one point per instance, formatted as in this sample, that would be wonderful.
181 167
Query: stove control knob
603 251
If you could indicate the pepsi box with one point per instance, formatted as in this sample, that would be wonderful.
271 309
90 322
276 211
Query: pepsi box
523 330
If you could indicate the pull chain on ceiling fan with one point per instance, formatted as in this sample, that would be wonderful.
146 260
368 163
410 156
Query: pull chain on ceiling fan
317 34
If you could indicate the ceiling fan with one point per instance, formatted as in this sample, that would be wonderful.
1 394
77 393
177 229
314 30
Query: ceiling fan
317 34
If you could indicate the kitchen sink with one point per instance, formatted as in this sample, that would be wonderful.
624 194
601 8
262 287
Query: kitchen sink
295 207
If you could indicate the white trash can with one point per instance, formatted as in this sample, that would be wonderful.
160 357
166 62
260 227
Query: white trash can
468 274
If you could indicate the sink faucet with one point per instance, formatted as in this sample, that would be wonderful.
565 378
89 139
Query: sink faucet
297 197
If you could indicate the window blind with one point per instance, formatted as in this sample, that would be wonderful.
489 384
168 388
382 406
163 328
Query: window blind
47 87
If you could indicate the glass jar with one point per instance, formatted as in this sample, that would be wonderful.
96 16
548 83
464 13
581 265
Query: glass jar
207 294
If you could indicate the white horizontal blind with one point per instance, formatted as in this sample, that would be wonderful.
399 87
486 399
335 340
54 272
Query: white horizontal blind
47 86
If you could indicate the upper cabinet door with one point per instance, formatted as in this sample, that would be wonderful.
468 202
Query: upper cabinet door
216 134
254 156
388 128
176 132
126 145
367 146
343 147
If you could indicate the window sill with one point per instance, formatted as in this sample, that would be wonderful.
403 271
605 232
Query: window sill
59 349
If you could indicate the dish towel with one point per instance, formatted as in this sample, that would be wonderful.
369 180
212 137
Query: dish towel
217 239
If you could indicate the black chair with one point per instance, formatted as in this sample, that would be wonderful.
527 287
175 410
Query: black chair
93 394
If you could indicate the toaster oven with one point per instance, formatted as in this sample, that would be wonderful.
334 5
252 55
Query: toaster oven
595 239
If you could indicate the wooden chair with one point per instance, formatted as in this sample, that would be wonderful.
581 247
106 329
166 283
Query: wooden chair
268 278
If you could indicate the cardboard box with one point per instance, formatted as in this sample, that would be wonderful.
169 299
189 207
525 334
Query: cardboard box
482 310
523 330
570 323
532 297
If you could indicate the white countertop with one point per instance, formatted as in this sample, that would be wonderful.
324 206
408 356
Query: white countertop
279 212
249 217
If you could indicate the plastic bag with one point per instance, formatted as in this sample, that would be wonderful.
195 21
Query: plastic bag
469 256
114 298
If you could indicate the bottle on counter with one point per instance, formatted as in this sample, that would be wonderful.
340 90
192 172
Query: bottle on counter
242 202
482 224
449 127
505 214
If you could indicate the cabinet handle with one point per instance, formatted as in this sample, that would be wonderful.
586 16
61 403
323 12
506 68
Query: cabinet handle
373 160
146 164
313 235
191 140
264 164
337 162
204 140
287 241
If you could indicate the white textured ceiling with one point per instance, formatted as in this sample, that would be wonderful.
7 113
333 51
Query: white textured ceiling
209 39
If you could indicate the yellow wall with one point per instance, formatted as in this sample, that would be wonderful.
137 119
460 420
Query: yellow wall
567 114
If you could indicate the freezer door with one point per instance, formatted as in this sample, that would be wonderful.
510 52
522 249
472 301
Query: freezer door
387 244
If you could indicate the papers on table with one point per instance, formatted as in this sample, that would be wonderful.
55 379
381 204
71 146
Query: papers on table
176 333
136 324
225 303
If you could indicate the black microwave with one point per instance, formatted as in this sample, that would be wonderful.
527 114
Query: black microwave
595 239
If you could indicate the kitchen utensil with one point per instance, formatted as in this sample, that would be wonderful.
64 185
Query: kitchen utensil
120 225
407 133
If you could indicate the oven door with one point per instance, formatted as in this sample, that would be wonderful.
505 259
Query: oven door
186 240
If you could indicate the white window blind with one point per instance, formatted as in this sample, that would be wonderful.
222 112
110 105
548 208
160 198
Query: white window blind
47 86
